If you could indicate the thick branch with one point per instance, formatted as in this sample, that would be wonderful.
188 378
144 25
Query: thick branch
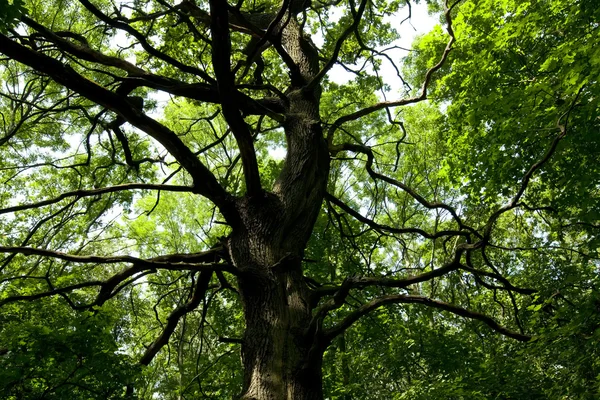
82 51
172 262
140 77
271 28
507 285
363 282
162 262
213 255
206 261
270 106
221 57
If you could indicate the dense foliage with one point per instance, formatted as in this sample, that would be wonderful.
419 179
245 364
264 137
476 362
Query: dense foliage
454 250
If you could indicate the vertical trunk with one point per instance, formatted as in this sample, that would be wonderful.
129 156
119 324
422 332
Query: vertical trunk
279 354
276 353
281 359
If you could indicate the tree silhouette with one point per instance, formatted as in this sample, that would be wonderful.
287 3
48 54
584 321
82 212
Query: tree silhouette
361 213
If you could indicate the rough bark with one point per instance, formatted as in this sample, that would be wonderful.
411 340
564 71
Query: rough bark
278 350
277 346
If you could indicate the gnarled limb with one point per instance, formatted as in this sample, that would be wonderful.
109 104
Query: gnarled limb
330 334
390 229
420 199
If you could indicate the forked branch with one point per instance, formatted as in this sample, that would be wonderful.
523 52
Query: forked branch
144 42
357 148
175 316
385 228
368 281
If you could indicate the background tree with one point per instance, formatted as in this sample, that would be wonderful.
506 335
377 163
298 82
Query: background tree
395 252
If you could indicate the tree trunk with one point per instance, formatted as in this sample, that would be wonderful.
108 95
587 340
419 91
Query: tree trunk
276 352
281 357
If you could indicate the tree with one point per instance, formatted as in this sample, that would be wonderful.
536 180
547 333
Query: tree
172 234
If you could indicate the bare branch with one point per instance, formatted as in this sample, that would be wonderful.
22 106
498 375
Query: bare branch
507 285
95 192
363 282
198 91
400 299
206 261
140 77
